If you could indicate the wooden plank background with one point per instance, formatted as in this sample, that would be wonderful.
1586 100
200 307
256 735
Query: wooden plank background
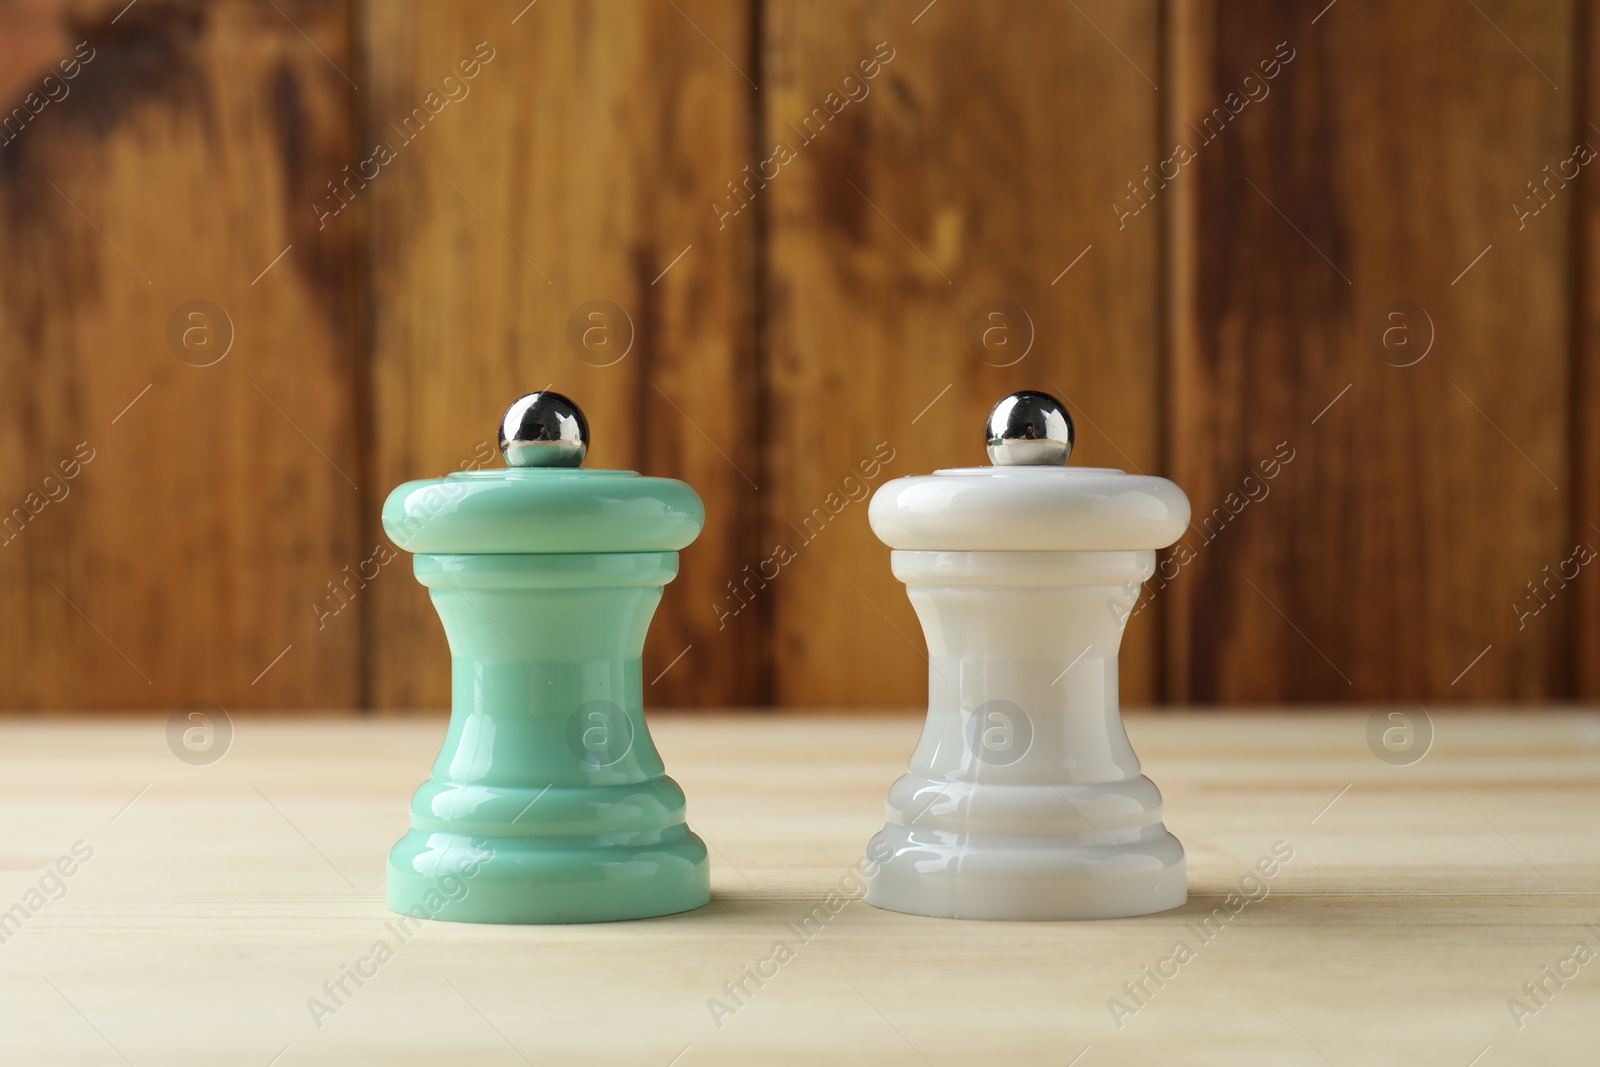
958 184
185 555
575 168
1391 549
830 236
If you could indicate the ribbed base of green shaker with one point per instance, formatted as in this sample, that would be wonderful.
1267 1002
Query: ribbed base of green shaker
456 878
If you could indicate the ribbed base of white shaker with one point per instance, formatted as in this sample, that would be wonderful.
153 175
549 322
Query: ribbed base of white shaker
1025 878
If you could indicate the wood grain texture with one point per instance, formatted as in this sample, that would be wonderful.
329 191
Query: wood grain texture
1585 354
1395 546
212 504
793 316
976 166
578 164
216 904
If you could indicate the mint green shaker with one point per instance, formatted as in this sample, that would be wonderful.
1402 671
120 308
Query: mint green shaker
548 802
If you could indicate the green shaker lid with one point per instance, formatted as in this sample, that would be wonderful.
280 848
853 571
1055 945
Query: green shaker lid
542 502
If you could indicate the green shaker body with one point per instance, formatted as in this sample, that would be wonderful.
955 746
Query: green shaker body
548 802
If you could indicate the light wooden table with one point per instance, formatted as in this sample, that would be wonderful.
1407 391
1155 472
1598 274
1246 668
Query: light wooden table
219 899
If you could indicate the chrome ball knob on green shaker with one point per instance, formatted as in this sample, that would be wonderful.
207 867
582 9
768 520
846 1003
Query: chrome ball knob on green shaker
548 802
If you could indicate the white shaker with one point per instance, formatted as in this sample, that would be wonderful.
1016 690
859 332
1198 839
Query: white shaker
1023 798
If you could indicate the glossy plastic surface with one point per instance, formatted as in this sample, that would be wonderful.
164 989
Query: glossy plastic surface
543 509
972 509
548 802
1023 799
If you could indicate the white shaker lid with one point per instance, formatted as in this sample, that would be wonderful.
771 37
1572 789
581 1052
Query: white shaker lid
1027 501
